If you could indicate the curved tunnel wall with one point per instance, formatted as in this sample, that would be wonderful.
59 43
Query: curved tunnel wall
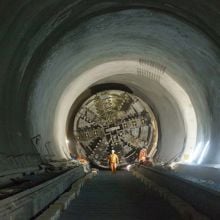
48 46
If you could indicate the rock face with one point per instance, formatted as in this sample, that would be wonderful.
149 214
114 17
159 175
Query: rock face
52 51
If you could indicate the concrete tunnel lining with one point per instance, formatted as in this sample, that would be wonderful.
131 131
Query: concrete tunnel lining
201 61
68 60
118 68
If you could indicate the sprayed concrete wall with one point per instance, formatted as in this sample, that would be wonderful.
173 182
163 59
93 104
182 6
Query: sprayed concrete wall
166 52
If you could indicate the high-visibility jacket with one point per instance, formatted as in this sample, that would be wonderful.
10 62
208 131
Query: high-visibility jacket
113 158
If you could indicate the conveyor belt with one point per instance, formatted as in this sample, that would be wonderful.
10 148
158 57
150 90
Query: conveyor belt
118 196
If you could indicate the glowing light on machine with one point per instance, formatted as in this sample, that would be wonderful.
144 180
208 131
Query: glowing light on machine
128 167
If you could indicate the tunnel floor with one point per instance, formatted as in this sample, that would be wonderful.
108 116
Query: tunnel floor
118 196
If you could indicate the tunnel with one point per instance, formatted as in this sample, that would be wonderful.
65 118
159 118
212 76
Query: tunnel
81 78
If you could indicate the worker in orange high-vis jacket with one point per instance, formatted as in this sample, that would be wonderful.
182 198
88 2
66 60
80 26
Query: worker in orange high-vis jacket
113 161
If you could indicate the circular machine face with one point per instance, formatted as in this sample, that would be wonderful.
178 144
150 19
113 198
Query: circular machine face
118 120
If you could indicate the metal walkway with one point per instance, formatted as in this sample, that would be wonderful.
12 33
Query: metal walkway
119 196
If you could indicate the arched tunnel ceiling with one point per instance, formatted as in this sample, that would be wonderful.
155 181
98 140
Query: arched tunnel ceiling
166 52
